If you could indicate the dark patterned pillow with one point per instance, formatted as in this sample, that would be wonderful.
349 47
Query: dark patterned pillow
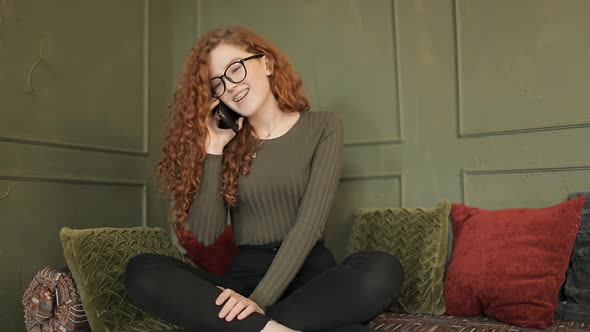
575 301
419 239
51 302
97 259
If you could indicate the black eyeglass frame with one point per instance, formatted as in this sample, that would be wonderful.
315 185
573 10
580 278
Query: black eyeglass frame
221 78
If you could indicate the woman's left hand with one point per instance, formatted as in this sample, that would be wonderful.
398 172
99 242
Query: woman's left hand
235 305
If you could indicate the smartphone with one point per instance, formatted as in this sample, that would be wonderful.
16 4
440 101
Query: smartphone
228 119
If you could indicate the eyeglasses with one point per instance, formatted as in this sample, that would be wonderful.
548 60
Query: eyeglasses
235 73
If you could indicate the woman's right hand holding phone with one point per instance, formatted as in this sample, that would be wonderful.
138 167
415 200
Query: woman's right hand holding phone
218 138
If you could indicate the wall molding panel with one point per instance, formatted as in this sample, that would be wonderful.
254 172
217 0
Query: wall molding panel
464 132
140 184
399 176
373 142
466 173
143 151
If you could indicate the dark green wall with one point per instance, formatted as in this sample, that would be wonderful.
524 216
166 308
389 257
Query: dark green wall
476 101
83 89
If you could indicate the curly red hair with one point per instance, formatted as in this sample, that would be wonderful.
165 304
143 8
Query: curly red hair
184 150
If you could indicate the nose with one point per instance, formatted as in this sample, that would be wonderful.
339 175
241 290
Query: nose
229 85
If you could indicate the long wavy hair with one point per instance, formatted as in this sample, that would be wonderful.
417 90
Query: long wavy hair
184 150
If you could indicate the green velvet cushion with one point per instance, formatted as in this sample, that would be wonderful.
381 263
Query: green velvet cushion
419 239
97 258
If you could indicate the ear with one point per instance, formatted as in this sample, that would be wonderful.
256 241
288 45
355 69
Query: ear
268 65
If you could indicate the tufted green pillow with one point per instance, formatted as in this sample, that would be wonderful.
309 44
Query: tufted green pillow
419 239
97 259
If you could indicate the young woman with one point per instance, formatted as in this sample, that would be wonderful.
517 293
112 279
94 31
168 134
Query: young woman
276 177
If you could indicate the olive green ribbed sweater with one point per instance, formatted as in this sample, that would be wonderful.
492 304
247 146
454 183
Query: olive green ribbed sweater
286 198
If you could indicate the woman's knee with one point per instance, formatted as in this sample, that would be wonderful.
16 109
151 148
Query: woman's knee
141 273
388 271
382 275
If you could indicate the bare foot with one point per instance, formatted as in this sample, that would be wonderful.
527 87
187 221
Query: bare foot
273 326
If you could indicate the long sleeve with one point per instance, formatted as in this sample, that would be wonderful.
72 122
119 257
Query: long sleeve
208 213
311 217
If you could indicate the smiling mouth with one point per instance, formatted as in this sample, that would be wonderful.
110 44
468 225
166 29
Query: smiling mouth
241 95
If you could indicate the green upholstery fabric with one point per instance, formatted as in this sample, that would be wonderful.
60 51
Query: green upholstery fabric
97 259
419 239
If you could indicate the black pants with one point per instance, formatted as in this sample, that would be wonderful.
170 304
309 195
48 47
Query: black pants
323 295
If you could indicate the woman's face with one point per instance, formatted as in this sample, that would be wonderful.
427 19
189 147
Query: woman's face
248 95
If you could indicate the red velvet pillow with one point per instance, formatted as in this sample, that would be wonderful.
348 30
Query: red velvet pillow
510 264
214 258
